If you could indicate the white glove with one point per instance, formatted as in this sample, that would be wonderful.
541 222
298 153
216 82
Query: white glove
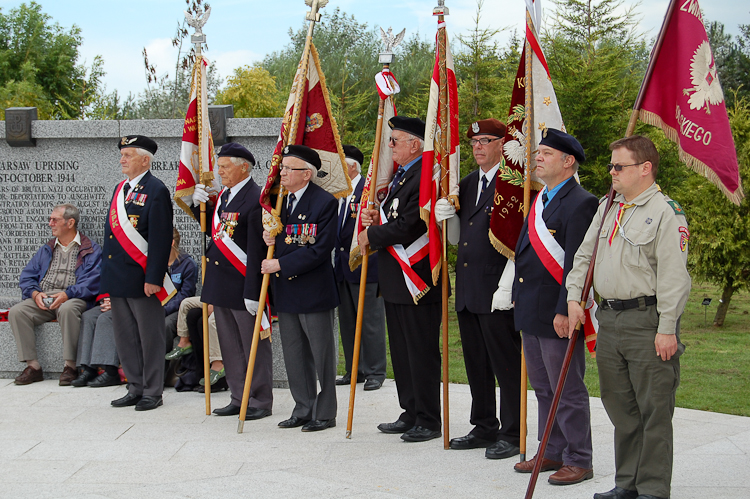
199 195
502 299
251 306
444 210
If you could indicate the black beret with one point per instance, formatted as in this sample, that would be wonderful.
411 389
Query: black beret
354 153
414 126
563 142
235 150
487 127
304 153
140 141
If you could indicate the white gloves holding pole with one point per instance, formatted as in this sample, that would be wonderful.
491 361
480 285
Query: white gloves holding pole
200 195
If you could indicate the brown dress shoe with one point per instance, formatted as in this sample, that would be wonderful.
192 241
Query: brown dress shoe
528 466
29 375
69 374
568 475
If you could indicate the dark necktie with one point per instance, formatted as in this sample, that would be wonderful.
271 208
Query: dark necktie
290 203
397 176
484 186
225 198
126 189
544 199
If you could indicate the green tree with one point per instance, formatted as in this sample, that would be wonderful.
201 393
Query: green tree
732 58
39 65
719 232
253 93
597 61
168 98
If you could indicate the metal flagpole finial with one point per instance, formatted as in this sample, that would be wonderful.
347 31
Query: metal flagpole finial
197 22
390 42
441 9
315 6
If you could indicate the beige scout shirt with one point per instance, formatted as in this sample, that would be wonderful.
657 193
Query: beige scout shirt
647 257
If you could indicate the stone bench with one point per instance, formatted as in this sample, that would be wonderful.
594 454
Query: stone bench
49 349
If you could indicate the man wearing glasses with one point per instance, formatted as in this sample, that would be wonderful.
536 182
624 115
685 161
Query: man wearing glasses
60 282
491 345
305 292
557 221
641 275
412 304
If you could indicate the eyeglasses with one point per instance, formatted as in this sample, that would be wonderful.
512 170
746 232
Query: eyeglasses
393 141
618 168
484 141
289 168
55 220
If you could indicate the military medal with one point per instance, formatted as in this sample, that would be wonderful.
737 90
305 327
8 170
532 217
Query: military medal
392 212
133 220
288 239
229 220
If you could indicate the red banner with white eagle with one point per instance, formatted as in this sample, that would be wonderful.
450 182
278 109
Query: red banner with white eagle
684 98
308 121
196 163
440 158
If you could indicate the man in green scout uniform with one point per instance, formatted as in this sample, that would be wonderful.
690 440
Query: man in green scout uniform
642 278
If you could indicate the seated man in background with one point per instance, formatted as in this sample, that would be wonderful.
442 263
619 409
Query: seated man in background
60 282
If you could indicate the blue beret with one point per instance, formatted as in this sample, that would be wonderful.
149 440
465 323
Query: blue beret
352 152
235 150
304 153
139 141
563 142
414 126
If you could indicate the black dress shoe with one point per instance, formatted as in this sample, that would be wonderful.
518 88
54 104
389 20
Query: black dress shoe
319 424
126 401
396 427
470 442
105 379
293 422
148 402
346 379
420 434
617 493
257 413
83 378
501 450
372 384
230 410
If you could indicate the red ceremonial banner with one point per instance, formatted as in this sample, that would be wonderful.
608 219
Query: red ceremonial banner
684 98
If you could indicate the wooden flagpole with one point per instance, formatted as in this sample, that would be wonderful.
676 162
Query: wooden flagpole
313 16
444 145
386 58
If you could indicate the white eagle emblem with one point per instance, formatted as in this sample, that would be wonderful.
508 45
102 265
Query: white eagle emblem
475 127
515 150
706 88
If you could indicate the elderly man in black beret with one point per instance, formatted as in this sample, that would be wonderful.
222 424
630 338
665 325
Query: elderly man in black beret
305 293
557 222
233 280
137 243
412 305
491 344
372 360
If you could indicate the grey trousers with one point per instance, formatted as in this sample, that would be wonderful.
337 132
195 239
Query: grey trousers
25 315
235 331
139 336
96 345
638 392
372 347
309 350
570 440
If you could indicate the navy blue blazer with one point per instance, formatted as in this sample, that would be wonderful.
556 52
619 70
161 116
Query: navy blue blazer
404 227
345 231
306 283
478 264
123 277
224 285
537 295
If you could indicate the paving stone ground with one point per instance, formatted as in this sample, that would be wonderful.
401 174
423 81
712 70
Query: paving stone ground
63 442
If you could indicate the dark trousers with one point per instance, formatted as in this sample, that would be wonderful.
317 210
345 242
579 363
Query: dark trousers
235 331
139 336
309 351
492 350
372 347
413 334
638 392
570 440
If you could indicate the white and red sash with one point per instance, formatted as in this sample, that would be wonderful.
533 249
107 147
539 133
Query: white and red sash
406 257
235 255
133 242
552 256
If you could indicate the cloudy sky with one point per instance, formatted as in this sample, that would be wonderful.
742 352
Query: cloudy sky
243 31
